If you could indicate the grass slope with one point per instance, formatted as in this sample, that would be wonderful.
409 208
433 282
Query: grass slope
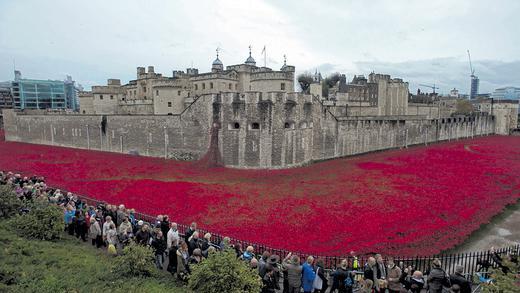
66 265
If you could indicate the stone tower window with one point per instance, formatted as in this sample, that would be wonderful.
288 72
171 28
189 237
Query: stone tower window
282 86
210 85
230 85
196 86
255 125
203 86
156 92
101 97
169 104
236 125
287 125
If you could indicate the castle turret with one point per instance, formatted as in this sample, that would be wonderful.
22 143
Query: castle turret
250 60
217 65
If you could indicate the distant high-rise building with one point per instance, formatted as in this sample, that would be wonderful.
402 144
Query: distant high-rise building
43 94
71 97
506 93
6 99
474 87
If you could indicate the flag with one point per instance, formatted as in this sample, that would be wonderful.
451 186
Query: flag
263 50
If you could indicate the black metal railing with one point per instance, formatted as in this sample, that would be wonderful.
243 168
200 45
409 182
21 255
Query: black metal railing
471 261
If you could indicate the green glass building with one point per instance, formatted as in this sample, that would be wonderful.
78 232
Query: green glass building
41 94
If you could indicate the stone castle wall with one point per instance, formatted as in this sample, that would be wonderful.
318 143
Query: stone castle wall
256 130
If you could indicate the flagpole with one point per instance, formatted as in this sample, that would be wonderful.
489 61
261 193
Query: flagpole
265 57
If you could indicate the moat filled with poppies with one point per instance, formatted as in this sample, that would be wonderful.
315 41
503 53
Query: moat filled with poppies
397 202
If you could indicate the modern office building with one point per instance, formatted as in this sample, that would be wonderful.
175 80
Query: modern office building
6 99
474 87
43 94
506 93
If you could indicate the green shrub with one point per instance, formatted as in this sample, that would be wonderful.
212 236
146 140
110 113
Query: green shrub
43 221
9 202
223 272
136 260
504 282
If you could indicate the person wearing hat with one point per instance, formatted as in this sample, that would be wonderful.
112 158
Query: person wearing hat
272 265
437 278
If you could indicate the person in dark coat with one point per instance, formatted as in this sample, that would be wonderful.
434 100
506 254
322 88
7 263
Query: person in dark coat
340 276
370 273
437 278
143 236
458 279
413 281
80 225
262 263
190 231
269 282
165 225
194 242
320 273
272 264
159 247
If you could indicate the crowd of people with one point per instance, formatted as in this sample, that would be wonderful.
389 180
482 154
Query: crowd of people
113 227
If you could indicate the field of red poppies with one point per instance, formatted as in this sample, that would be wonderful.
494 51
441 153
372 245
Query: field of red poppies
418 201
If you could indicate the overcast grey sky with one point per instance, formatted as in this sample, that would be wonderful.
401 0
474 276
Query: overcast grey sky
419 41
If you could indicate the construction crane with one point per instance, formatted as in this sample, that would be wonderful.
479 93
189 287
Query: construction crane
473 90
433 87
471 66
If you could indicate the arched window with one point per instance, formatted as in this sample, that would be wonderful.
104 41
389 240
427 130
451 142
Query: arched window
287 125
236 125
255 125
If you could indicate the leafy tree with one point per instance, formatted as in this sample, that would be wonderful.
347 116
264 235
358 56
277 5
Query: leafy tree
42 221
464 107
508 281
329 82
332 79
136 260
9 202
223 272
305 80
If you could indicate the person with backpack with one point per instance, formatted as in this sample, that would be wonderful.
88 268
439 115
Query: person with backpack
437 278
344 278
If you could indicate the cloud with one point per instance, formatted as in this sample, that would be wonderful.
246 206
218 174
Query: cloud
448 73
417 40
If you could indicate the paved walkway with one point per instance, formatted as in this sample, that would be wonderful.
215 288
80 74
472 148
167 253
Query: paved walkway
502 231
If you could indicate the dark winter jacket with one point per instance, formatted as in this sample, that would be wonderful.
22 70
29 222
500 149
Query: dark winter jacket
159 246
437 279
464 284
